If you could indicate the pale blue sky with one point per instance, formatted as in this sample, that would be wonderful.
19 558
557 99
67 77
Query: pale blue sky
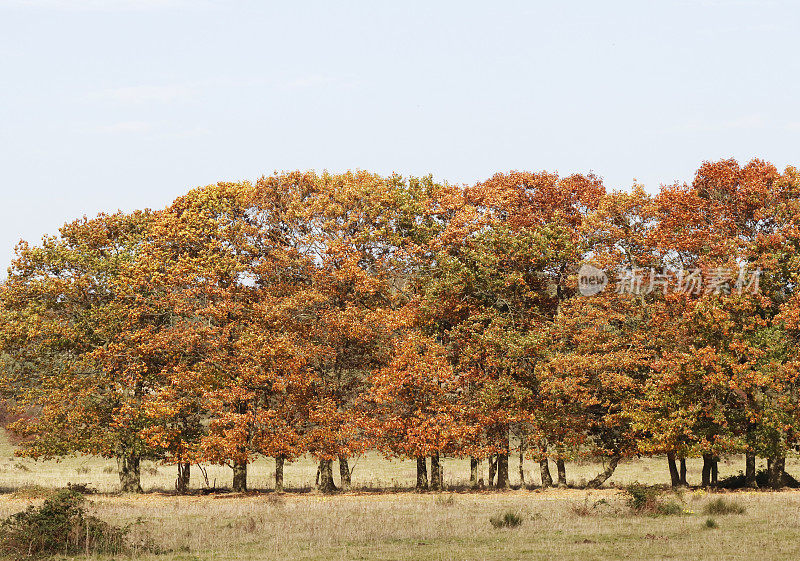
122 104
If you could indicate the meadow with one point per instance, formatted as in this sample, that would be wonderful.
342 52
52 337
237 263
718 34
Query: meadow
383 519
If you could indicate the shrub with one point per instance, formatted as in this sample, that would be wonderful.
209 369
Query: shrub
647 500
641 498
711 523
506 520
82 488
59 526
721 506
669 509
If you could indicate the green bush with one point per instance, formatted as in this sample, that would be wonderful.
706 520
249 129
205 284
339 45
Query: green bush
669 509
60 526
506 520
721 506
642 499
711 523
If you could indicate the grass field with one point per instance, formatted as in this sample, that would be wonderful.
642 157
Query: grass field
556 524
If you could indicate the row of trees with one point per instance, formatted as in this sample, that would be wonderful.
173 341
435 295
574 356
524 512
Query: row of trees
330 314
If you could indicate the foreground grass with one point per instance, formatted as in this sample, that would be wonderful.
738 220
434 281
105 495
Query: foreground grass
436 527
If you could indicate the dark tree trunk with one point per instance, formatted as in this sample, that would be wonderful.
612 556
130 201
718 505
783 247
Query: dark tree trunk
750 471
184 474
604 475
473 472
422 474
521 469
775 471
683 472
708 459
326 484
130 476
437 483
714 471
544 469
674 476
344 474
279 462
561 470
239 477
492 469
502 471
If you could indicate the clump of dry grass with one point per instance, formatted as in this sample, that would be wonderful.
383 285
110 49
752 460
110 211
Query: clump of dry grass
587 509
508 519
722 506
32 492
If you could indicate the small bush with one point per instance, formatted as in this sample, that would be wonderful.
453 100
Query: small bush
109 469
642 499
82 470
669 509
711 523
506 520
82 488
60 526
721 506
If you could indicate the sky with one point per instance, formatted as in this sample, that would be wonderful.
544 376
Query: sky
125 104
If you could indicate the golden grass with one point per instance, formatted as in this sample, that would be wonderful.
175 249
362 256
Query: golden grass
410 526
557 524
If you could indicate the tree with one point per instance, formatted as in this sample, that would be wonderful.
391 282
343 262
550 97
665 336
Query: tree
62 321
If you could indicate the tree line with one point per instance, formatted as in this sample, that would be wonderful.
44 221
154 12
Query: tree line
330 314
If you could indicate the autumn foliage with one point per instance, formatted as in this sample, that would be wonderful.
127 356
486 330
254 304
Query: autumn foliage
330 314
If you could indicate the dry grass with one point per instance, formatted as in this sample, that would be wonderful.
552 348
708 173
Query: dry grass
557 524
410 526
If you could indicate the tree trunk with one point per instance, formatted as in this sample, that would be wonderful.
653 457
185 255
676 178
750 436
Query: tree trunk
502 471
521 469
544 469
775 469
683 472
436 473
561 470
750 471
130 477
707 461
279 462
604 475
344 474
326 484
239 477
473 472
714 471
184 474
422 474
674 476
492 468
